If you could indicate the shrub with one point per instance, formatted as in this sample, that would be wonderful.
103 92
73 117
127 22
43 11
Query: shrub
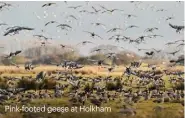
3 84
110 86
48 84
87 87
33 85
27 84
179 86
118 84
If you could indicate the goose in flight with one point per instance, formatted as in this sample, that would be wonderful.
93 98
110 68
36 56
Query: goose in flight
16 30
149 53
4 5
13 27
97 50
156 50
114 30
95 10
118 38
48 4
50 22
84 11
151 29
131 26
130 15
64 26
13 54
178 28
2 24
169 18
99 24
63 46
140 49
41 36
155 35
93 34
173 53
66 47
111 10
141 38
160 10
75 7
179 41
85 42
72 16
182 44
170 43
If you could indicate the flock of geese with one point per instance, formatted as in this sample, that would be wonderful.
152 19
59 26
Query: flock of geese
100 9
134 83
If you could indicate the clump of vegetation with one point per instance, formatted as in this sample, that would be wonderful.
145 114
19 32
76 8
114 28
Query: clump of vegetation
157 72
179 86
110 86
3 84
87 87
114 85
49 84
151 87
27 84
119 84
34 85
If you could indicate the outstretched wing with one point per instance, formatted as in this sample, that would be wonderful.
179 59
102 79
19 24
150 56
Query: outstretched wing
99 36
17 52
175 26
27 28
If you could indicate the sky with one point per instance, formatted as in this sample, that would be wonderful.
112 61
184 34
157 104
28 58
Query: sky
32 14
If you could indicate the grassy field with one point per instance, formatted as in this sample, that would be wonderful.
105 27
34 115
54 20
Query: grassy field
144 109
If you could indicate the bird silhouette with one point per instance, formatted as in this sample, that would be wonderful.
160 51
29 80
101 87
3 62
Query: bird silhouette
155 35
131 26
13 54
169 18
151 29
149 53
48 4
41 36
72 16
16 30
130 15
95 10
156 50
99 24
75 7
50 22
85 42
114 30
1 24
111 10
173 53
182 44
64 26
178 28
93 34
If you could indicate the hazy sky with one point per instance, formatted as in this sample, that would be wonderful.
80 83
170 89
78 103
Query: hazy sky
31 14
